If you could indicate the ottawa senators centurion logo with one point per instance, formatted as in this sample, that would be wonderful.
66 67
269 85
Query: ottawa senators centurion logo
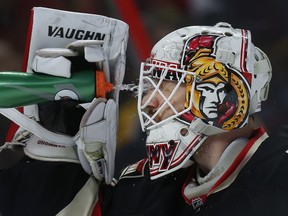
221 96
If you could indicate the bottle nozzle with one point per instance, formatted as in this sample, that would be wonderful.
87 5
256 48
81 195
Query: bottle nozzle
102 87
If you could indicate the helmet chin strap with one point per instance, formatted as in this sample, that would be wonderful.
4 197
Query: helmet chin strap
170 147
200 127
30 125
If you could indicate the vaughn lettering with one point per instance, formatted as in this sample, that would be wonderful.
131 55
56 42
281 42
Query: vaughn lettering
61 32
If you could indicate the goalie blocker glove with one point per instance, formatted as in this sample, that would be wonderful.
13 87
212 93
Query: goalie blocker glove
96 139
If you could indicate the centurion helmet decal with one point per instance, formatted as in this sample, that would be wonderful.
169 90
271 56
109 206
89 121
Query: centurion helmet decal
221 97
225 76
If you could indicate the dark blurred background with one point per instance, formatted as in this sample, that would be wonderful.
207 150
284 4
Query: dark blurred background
149 21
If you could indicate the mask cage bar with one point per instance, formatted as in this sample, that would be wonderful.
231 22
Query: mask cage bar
147 121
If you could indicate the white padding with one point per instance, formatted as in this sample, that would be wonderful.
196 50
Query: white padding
40 149
96 140
84 201
55 52
92 49
59 66
94 54
79 44
200 127
35 128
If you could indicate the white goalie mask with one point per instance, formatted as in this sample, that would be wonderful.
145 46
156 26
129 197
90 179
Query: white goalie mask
224 77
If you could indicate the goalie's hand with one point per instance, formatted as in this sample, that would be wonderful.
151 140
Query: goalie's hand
96 140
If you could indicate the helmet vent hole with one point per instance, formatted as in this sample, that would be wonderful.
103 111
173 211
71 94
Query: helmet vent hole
183 35
205 32
228 88
256 57
172 142
228 34
184 132
191 53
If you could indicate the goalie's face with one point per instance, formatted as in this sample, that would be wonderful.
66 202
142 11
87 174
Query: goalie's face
161 99
155 100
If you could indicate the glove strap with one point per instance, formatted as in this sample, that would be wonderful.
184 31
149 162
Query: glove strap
23 121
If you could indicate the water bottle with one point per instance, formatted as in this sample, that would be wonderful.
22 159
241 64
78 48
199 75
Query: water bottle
21 89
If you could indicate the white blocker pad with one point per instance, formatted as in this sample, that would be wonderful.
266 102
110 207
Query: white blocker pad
96 140
92 49
56 29
52 28
55 66
53 61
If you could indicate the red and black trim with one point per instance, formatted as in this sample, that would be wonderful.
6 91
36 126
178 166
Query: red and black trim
230 174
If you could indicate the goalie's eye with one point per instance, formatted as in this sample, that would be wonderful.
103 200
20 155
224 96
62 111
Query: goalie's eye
147 86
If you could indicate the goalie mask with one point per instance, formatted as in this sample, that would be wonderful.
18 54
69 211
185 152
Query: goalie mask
219 79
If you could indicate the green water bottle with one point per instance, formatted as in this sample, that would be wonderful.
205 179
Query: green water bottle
21 89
